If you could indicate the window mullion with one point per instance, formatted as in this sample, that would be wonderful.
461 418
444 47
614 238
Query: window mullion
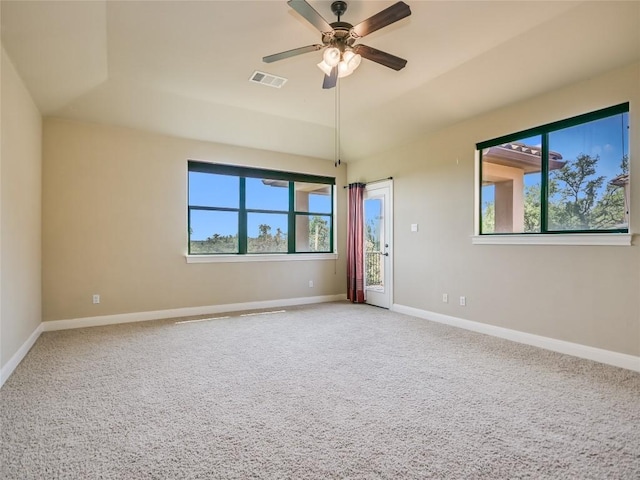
291 247
242 218
544 184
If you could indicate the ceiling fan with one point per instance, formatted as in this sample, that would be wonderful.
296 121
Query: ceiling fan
341 56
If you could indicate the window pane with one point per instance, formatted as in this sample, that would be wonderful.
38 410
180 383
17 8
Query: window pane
212 190
590 189
213 232
374 242
511 182
267 232
264 194
313 197
313 233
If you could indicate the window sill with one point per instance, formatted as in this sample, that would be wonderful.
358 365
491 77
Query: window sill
268 257
612 239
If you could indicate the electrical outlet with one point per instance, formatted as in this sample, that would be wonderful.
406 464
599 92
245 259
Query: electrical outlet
310 283
445 298
463 301
96 298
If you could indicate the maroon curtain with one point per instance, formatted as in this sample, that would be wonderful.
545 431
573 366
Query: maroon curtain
355 244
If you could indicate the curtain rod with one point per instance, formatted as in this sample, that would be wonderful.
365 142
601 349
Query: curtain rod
372 181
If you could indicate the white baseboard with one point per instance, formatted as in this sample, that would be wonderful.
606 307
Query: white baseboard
53 325
616 359
17 357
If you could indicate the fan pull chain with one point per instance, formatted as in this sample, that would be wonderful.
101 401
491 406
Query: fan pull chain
337 132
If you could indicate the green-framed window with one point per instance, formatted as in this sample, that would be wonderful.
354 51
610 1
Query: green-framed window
570 176
242 210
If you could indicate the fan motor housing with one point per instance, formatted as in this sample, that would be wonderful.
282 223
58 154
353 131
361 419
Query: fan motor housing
341 35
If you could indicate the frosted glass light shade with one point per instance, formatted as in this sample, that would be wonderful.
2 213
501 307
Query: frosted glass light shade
348 55
353 61
331 56
343 70
350 61
325 67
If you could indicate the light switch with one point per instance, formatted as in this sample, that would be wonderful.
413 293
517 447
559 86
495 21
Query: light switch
414 227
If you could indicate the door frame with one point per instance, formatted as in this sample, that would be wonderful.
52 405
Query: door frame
388 220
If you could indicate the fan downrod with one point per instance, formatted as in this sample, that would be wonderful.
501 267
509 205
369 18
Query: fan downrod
338 8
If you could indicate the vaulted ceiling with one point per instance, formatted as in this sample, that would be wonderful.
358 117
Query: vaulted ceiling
183 67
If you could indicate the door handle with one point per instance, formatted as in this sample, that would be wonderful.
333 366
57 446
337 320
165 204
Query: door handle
386 254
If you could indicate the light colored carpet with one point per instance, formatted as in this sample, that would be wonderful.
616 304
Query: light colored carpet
319 392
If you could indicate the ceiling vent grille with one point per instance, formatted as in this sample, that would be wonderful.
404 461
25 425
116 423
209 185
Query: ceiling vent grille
267 79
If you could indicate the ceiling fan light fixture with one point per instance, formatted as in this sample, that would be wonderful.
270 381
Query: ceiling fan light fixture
350 61
348 55
353 59
343 69
325 67
331 56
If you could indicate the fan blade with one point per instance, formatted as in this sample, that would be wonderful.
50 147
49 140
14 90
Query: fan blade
381 19
331 80
291 53
313 17
378 56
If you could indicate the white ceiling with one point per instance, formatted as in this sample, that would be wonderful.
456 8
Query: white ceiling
182 67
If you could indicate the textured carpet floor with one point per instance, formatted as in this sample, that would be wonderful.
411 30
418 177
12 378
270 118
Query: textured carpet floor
320 392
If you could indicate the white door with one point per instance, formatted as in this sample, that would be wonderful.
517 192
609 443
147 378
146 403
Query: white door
378 250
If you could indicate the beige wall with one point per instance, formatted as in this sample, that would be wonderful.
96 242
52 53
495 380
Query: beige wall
20 214
587 295
114 209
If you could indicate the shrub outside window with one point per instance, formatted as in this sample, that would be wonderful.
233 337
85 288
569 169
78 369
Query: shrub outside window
570 176
240 210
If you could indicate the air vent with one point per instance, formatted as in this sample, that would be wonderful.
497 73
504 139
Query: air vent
267 79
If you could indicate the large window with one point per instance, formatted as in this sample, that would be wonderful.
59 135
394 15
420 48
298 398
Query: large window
239 210
570 176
